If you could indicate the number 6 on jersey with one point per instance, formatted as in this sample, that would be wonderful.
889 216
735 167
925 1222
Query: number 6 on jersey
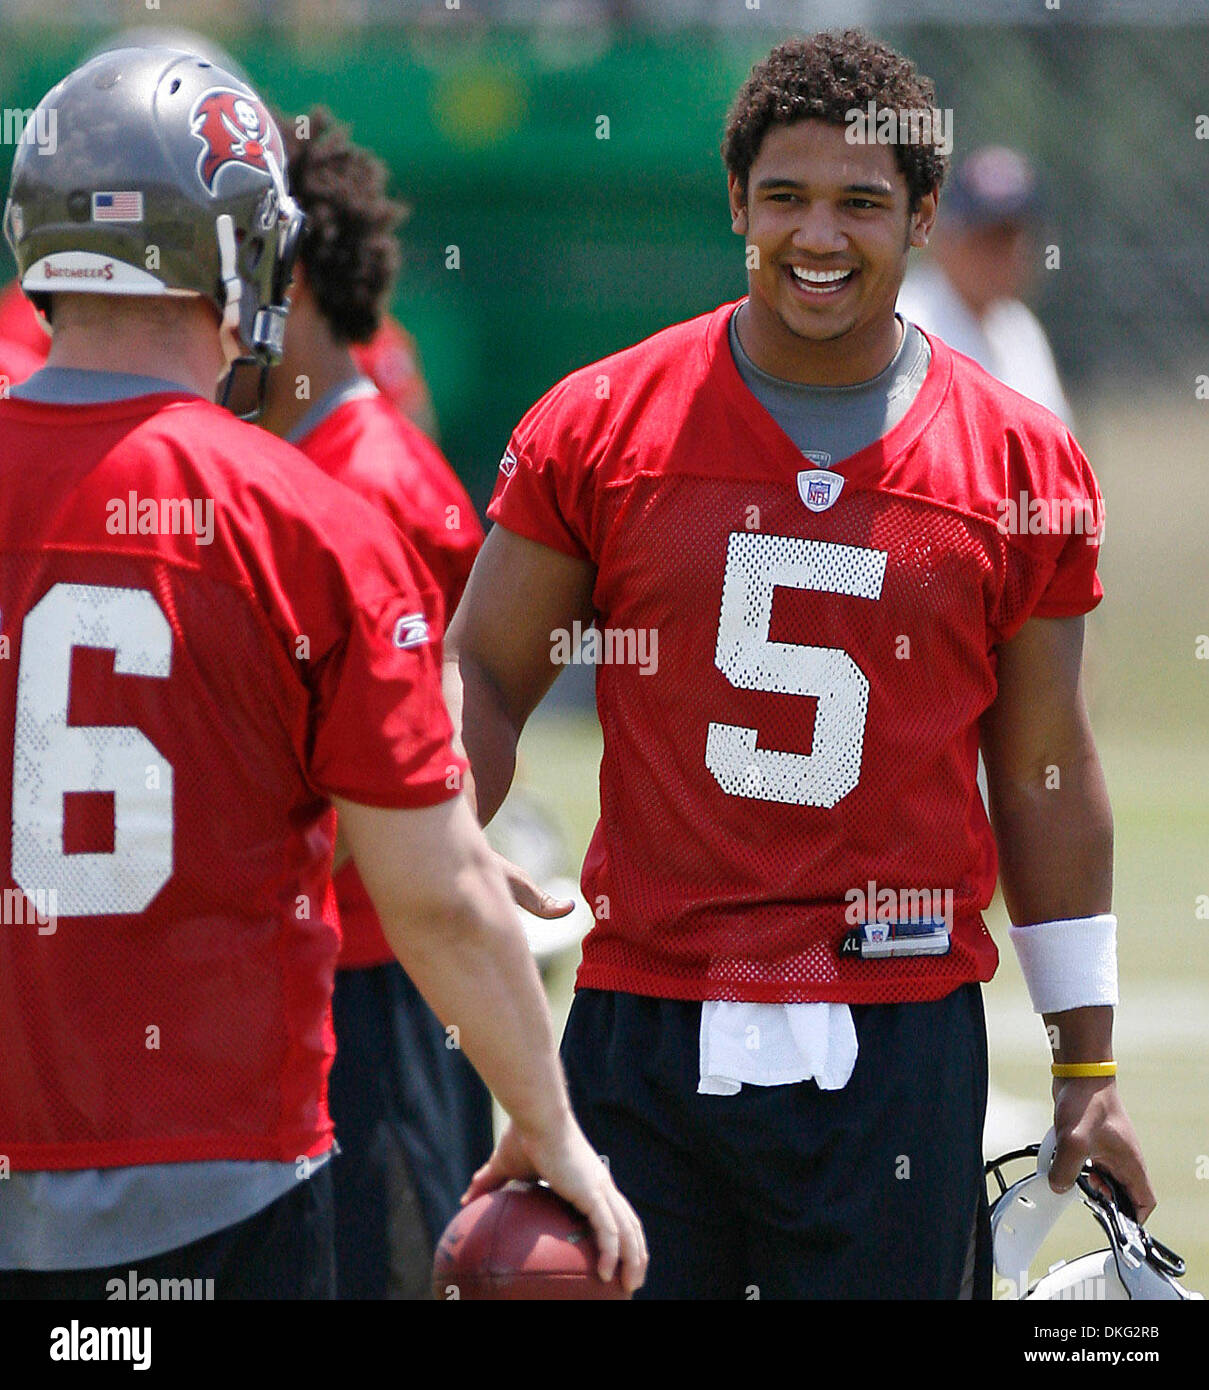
52 757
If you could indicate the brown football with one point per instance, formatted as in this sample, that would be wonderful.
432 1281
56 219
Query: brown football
520 1241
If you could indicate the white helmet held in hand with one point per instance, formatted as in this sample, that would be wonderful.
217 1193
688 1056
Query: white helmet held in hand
1134 1266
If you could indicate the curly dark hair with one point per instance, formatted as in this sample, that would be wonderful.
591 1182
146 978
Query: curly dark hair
823 77
348 249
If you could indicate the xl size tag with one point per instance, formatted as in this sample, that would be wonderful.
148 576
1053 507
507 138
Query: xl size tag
929 936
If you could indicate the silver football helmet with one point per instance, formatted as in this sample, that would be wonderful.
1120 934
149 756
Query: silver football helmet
166 176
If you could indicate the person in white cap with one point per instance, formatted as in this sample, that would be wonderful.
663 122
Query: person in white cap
984 255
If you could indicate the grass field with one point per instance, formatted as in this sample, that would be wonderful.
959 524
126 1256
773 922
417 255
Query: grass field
1149 705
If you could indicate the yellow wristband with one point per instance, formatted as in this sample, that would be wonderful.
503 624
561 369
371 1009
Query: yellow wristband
1084 1069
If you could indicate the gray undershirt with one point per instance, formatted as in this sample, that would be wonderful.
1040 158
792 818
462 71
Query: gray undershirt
831 423
89 1218
332 400
77 386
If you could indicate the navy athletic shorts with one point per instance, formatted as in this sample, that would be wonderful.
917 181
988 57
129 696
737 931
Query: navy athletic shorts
874 1191
413 1122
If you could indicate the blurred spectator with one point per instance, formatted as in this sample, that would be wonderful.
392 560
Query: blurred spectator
984 254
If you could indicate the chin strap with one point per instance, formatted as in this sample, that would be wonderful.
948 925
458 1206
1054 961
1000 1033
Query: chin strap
252 416
1132 1245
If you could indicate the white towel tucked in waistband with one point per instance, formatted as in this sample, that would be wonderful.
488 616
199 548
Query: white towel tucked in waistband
775 1045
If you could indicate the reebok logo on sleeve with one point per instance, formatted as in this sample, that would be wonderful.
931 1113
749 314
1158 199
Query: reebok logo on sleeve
411 631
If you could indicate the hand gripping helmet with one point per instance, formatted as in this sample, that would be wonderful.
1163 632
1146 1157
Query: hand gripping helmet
149 171
1134 1265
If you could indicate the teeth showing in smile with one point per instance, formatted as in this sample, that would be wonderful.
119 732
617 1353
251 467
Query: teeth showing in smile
819 279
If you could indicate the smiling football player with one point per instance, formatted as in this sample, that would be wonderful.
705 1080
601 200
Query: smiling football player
777 1036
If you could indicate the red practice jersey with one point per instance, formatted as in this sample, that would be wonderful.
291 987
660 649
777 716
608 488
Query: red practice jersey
206 639
367 445
16 363
20 324
391 360
791 673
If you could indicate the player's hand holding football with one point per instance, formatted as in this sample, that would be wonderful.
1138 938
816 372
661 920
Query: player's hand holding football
561 1155
1090 1122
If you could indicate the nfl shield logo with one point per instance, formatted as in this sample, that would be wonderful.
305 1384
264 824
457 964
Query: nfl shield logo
819 488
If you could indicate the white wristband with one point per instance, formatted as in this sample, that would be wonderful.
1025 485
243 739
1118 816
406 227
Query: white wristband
1069 965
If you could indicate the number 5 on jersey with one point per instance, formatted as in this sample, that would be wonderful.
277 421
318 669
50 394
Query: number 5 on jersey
755 566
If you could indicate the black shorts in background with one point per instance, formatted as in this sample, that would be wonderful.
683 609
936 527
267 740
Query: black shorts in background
413 1122
874 1191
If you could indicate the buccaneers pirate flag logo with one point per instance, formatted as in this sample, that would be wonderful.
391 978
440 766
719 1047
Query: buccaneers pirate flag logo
234 129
